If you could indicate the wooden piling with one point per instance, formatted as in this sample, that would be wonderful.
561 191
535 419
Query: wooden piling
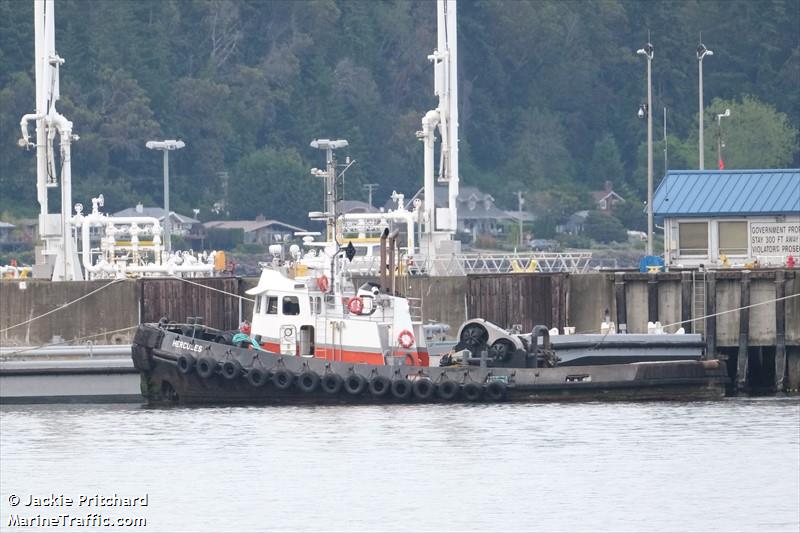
780 331
711 321
619 296
686 302
744 331
652 298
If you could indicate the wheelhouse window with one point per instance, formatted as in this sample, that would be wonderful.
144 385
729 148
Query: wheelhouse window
693 238
733 238
272 305
291 305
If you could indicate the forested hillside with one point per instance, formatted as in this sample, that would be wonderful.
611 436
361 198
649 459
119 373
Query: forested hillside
549 92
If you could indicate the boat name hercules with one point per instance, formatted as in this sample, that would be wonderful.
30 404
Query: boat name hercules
187 346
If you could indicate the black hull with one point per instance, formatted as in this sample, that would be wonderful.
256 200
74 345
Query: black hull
156 354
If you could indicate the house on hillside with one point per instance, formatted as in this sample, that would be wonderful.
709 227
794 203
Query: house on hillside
729 216
180 225
259 231
607 198
574 225
477 212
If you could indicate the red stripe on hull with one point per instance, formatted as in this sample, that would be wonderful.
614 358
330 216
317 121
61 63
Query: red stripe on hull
355 356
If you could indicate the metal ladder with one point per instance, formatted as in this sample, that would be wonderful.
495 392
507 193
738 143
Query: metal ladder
698 300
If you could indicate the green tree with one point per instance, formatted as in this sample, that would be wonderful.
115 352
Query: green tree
604 227
755 135
276 184
606 164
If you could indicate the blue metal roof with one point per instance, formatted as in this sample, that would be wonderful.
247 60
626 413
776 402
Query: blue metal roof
728 192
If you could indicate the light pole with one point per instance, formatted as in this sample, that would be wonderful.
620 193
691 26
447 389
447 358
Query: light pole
166 147
647 51
330 181
720 116
702 52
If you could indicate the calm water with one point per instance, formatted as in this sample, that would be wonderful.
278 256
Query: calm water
723 466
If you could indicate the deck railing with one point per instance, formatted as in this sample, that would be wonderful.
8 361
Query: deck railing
463 264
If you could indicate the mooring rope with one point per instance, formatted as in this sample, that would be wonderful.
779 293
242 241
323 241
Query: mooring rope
214 289
732 310
59 308
735 310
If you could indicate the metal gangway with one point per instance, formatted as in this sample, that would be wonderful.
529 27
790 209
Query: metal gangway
463 264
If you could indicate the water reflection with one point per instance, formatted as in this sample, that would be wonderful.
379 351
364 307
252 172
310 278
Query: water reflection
529 467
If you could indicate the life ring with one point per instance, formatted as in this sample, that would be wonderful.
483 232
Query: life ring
355 305
322 283
406 339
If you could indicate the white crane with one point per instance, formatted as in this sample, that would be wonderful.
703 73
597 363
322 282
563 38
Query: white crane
440 224
59 258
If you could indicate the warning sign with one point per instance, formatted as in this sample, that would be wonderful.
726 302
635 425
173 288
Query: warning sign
775 238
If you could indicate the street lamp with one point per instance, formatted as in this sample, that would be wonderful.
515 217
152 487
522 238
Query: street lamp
720 116
702 52
647 51
166 147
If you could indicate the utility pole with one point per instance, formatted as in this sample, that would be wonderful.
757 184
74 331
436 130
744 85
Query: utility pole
520 203
647 51
369 188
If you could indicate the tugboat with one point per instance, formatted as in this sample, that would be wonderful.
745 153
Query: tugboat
313 337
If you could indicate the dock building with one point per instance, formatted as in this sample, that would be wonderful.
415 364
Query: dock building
729 217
